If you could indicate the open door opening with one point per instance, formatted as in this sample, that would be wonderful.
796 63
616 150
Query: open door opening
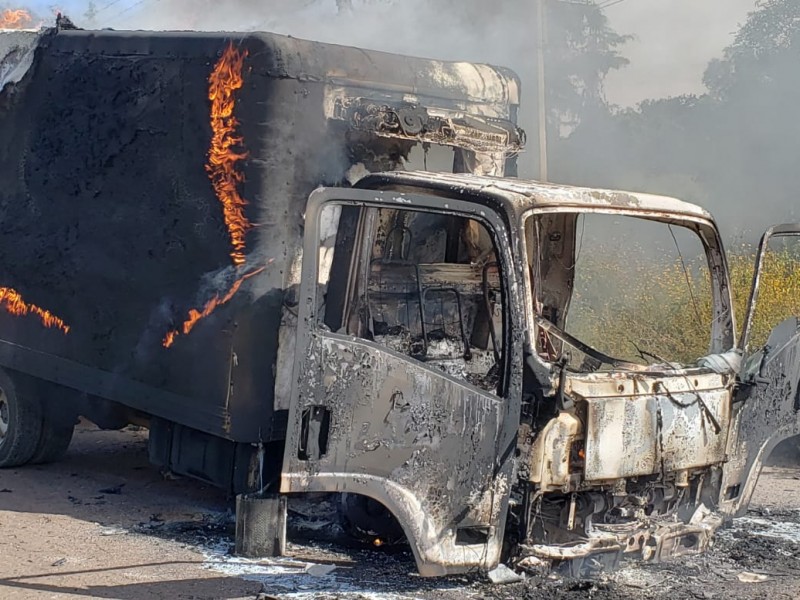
407 375
767 403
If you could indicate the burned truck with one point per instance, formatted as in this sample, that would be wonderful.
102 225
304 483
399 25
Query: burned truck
426 341
157 185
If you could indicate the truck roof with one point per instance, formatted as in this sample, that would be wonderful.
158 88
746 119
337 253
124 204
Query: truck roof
521 195
283 56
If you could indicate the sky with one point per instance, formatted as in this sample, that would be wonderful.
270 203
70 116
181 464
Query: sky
674 41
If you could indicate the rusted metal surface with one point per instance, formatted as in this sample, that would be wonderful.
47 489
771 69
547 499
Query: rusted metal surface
648 424
640 459
650 434
521 195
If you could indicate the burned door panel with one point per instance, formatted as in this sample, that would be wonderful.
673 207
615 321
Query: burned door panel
405 379
416 441
766 413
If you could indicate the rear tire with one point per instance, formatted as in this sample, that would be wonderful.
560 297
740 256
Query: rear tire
53 442
20 423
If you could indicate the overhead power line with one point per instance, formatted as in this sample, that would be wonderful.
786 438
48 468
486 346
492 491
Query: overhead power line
610 3
129 9
108 5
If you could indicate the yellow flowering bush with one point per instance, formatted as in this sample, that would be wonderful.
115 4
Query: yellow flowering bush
663 307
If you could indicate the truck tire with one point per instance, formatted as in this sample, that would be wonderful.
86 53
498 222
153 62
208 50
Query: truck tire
20 423
53 442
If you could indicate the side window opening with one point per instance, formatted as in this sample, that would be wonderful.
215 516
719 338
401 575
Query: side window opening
424 284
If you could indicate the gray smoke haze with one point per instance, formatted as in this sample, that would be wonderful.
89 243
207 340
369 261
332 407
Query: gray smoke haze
501 33
672 43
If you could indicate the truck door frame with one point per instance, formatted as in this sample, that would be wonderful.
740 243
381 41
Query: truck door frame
435 544
783 230
766 407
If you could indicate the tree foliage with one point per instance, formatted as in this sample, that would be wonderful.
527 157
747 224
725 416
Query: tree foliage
581 50
733 149
769 39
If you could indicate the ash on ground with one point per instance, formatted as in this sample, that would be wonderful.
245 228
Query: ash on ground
757 557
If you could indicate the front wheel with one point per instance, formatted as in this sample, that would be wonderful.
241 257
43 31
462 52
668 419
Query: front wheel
20 423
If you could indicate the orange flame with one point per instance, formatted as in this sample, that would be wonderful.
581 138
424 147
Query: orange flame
15 19
222 157
12 301
196 315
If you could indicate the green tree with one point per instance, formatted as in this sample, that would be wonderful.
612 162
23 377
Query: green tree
581 50
762 49
733 149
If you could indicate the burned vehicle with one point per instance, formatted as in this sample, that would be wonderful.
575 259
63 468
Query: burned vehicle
152 200
439 375
424 340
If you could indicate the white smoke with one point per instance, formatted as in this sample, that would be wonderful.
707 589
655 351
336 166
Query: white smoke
673 44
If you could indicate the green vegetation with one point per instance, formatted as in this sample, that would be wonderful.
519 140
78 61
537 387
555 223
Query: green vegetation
670 314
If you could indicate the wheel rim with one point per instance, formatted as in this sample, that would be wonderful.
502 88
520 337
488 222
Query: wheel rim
4 416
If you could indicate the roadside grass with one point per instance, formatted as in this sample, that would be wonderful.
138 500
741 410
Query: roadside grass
670 315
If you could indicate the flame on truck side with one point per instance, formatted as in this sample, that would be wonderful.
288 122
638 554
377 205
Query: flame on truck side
223 157
196 315
15 19
225 152
11 300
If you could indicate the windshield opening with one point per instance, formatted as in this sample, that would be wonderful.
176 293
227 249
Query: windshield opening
616 291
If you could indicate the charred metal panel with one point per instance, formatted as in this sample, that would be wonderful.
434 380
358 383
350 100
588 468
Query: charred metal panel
434 450
632 436
484 135
425 443
108 218
768 412
525 195
550 455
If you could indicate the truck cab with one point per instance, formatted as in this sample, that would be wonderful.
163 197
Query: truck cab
456 364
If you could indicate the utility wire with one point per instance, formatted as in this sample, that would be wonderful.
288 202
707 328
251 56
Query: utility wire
109 5
610 3
130 8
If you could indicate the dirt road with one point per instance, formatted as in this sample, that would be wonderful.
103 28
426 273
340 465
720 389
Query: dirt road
105 524
64 528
